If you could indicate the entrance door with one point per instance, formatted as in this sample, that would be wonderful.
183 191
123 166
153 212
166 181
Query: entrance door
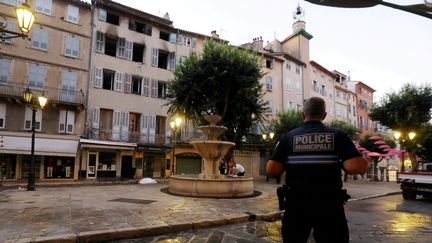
188 165
92 161
148 166
126 168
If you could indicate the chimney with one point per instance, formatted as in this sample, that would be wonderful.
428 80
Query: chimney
257 43
214 35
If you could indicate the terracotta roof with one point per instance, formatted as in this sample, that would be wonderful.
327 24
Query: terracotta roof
136 13
323 69
364 85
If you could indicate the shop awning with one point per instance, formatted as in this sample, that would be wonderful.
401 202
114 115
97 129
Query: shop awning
43 146
90 143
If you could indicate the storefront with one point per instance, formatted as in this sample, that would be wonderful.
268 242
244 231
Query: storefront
106 160
152 161
55 158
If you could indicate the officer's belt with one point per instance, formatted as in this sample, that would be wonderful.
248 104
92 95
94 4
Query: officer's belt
312 159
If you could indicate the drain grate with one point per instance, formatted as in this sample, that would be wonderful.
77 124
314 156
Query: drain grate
132 200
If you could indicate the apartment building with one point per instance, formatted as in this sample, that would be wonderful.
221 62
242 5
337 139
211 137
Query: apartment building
134 56
364 103
345 100
53 63
322 85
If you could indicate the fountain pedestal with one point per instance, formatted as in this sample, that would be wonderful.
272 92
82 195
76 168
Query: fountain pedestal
210 183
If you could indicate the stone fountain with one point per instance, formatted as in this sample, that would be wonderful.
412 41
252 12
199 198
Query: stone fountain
210 183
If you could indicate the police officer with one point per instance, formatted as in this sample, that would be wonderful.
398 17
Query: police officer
312 157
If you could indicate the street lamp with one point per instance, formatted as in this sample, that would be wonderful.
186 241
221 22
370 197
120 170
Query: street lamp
400 137
25 19
266 138
42 100
174 124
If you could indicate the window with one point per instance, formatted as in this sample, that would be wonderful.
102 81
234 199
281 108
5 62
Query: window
155 55
298 107
314 86
136 85
28 119
108 79
290 105
36 76
66 121
40 39
12 2
270 107
73 14
72 46
4 70
108 17
171 61
288 84
161 89
298 70
68 86
298 87
146 86
322 75
100 42
134 122
354 110
338 94
269 63
111 45
44 6
162 61
186 41
124 48
2 115
288 66
269 83
138 53
164 36
140 27
323 90
153 88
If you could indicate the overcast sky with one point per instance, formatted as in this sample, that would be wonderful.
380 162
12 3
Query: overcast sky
380 46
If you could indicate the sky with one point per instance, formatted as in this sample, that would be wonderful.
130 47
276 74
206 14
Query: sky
380 46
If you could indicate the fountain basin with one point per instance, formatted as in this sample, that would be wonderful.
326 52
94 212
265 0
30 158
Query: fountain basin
228 187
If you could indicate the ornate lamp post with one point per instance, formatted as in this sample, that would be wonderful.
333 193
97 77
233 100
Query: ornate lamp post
41 102
174 124
401 139
266 138
25 19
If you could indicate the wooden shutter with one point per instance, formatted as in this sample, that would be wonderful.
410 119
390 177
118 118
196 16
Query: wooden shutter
95 117
70 122
124 136
118 81
144 128
116 126
62 121
98 78
152 129
127 83
145 86
155 54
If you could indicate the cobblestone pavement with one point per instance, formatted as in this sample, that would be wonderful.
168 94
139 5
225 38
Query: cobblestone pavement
95 213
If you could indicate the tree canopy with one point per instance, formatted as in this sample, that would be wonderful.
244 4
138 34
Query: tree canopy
286 121
349 129
404 110
222 80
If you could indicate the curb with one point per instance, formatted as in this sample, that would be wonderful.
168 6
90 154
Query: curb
375 196
134 232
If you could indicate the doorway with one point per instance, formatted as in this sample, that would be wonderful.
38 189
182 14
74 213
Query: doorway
92 163
126 168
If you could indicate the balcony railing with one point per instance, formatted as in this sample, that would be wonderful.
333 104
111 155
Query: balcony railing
137 137
54 95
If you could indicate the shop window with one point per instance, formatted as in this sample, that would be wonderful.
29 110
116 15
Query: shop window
58 167
7 166
107 162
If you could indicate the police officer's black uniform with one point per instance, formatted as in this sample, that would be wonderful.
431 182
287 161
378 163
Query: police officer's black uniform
313 156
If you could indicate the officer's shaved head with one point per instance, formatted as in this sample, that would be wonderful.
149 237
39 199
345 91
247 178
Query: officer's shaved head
314 108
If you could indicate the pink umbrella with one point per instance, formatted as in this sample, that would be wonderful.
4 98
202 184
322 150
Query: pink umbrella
388 149
384 146
374 154
361 149
374 137
380 142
